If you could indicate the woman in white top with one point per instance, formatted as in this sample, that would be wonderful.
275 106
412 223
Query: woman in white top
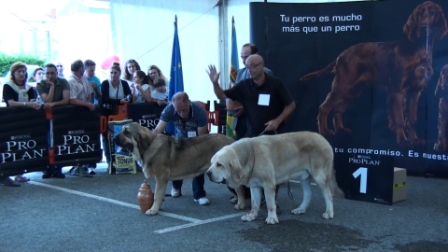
140 92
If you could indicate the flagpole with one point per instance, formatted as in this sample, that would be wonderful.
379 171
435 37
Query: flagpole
176 83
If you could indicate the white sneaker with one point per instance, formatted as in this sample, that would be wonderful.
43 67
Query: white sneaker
175 193
202 201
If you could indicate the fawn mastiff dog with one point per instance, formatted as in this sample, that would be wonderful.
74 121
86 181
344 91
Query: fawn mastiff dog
266 161
168 158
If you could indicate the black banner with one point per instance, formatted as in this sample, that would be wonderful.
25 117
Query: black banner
365 177
380 64
23 140
146 114
76 135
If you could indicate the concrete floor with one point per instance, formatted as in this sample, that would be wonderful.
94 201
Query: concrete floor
101 214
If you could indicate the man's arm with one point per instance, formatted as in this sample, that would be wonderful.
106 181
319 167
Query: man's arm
214 77
65 98
160 127
95 90
46 97
203 130
77 102
273 124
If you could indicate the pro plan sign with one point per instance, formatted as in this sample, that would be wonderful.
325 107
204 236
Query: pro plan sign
74 142
76 135
20 148
23 148
365 177
146 114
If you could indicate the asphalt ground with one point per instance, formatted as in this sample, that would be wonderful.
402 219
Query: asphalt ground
102 214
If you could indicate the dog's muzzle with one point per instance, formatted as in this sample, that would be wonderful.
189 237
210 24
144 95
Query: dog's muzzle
129 147
210 176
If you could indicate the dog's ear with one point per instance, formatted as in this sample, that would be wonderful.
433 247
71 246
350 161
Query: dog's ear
440 25
410 28
236 171
144 140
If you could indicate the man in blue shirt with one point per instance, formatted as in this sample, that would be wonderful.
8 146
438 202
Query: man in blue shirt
190 119
89 73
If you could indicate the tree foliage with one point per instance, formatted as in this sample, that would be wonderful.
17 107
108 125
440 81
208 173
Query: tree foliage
7 60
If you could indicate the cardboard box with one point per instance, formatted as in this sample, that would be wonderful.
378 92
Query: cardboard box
399 187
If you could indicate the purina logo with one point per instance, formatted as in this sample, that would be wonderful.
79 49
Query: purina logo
20 137
72 132
149 116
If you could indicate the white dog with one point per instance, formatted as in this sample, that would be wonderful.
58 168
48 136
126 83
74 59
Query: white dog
266 161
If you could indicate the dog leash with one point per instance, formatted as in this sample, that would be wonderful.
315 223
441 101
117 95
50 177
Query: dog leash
291 197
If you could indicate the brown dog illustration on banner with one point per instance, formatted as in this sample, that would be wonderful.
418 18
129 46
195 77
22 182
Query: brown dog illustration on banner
442 92
400 68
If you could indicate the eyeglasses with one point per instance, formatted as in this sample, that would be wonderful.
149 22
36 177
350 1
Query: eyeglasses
253 66
50 73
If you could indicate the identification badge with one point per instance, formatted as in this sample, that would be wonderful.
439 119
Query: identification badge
263 99
191 133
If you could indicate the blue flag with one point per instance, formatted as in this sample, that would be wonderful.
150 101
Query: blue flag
234 56
230 120
176 76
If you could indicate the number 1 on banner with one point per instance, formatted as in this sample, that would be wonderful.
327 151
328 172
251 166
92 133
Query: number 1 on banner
362 171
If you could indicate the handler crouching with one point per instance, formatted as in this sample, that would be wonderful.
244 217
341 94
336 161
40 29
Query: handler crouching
190 120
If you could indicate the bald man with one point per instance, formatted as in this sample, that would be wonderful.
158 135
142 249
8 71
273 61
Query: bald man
265 99
190 119
235 107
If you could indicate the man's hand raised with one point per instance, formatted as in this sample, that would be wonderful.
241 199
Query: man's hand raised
213 74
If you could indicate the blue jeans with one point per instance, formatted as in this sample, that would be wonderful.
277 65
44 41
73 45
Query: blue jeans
197 184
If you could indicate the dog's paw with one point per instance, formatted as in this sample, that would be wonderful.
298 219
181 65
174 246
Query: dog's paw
298 211
151 212
240 206
327 215
248 217
271 220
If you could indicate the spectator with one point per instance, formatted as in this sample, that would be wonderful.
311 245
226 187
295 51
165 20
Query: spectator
80 95
191 120
17 93
60 68
38 75
89 73
160 93
54 91
155 74
114 92
140 92
129 70
80 89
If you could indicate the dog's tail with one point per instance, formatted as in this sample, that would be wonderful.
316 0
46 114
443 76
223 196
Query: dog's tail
327 69
334 188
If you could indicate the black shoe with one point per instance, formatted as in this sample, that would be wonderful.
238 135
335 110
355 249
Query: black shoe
59 175
7 181
47 174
